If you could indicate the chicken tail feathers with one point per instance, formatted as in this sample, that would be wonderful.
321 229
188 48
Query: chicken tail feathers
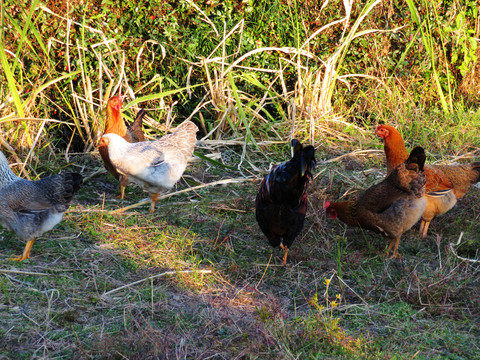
139 118
72 182
476 167
417 156
136 128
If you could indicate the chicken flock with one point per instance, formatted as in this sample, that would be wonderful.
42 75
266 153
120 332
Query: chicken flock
412 191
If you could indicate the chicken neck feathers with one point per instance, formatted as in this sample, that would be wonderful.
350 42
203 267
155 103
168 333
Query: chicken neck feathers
394 146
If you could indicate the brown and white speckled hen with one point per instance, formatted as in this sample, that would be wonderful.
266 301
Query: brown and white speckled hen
30 208
154 165
390 207
114 124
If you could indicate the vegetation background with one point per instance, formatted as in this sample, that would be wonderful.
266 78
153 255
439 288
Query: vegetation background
252 75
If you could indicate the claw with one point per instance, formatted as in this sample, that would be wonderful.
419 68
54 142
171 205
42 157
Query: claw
26 252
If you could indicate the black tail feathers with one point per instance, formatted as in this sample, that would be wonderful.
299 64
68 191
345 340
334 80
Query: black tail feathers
139 118
72 182
417 156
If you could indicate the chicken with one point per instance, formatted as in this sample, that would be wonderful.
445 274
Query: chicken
30 208
390 207
281 202
445 183
154 165
115 125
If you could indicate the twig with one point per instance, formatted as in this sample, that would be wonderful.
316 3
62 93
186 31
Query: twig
156 276
344 283
452 247
356 152
219 182
95 173
23 272
415 355
266 268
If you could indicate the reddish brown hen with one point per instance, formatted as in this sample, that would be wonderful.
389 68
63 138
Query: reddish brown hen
445 183
390 207
114 124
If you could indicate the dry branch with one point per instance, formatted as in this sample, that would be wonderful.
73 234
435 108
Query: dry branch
23 272
219 182
155 277
452 247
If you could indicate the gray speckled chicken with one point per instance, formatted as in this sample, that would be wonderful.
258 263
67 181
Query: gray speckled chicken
154 165
29 208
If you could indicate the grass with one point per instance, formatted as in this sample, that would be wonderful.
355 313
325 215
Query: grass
55 305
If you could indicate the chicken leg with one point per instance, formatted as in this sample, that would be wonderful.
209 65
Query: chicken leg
26 252
394 243
154 200
123 184
284 248
424 228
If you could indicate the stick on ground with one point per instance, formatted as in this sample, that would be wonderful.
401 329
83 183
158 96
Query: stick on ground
220 182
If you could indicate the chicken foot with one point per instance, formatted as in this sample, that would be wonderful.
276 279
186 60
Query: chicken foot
26 252
394 243
122 192
284 248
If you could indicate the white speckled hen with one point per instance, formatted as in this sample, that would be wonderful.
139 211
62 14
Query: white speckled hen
154 165
29 208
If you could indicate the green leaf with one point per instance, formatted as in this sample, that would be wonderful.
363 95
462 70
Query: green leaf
12 84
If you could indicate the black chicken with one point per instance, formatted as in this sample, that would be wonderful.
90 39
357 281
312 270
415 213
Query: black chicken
281 202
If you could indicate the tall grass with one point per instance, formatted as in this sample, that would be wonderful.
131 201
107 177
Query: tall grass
71 90
428 39
234 90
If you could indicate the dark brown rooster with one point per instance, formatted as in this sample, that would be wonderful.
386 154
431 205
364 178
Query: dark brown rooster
115 124
445 183
281 202
390 207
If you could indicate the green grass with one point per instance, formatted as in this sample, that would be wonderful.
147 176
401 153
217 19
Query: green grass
424 305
